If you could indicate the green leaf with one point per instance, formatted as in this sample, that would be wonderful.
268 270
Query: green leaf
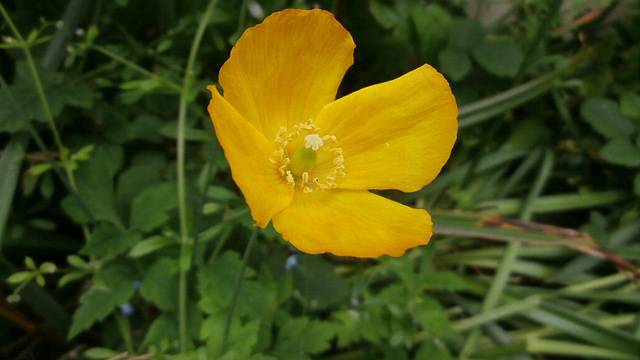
10 165
242 338
384 15
111 288
95 187
445 280
151 244
163 329
58 91
149 208
136 179
109 240
432 23
317 282
630 105
636 184
160 283
216 283
500 58
605 117
454 63
466 34
621 151
432 317
20 277
302 336
77 261
433 350
37 170
72 276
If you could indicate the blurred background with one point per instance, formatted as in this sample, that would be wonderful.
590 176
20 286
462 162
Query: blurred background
536 214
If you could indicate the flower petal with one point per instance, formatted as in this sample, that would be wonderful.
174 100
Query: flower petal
394 135
248 152
283 71
352 223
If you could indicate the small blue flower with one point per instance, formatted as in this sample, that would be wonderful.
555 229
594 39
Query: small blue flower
127 309
291 262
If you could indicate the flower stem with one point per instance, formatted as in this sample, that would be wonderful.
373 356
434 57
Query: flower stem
236 289
64 155
186 247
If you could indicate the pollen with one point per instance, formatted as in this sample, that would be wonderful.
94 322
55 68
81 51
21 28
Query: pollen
306 159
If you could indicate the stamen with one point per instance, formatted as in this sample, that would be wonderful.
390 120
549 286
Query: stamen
297 166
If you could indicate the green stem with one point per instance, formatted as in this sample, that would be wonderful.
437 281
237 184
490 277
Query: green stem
182 203
236 289
38 84
132 65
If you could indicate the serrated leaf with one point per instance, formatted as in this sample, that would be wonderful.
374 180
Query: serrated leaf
501 58
135 179
95 187
621 151
149 209
216 283
160 283
101 300
432 317
109 240
302 336
318 283
242 338
164 328
605 117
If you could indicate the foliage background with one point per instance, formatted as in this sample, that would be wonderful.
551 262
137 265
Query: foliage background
549 97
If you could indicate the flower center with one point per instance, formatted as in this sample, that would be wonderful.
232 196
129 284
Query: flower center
306 159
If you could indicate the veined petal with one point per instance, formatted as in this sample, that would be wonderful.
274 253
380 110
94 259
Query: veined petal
248 152
352 223
394 135
283 71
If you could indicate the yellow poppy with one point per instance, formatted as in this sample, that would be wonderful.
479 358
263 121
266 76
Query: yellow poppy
306 161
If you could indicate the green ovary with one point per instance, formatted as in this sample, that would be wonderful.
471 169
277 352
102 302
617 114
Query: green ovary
303 160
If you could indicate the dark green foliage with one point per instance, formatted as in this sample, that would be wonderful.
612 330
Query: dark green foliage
549 104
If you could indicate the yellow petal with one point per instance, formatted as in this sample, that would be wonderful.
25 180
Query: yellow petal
394 135
352 223
248 152
283 71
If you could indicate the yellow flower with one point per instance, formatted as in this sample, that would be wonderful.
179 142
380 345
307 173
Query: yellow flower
306 161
